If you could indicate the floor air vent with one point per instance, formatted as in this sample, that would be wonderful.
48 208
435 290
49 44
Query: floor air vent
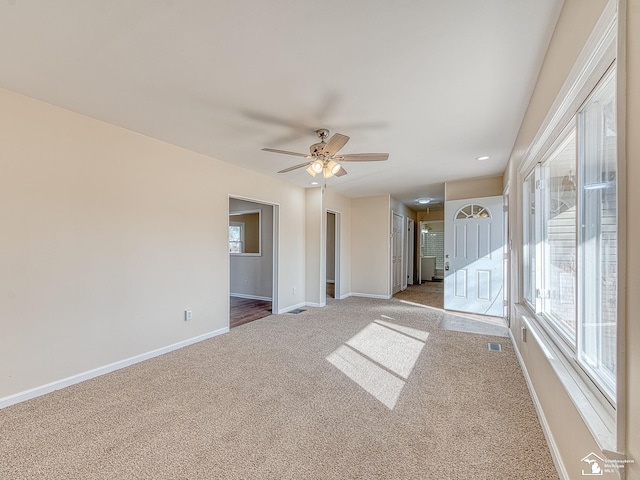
495 347
297 310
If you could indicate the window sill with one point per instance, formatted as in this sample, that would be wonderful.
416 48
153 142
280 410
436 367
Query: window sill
591 404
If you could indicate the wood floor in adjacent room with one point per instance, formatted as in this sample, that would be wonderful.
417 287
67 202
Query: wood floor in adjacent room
245 310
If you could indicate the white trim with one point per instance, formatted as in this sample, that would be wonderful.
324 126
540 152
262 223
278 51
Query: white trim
621 202
394 213
596 417
314 304
250 297
337 269
553 447
291 307
367 295
96 372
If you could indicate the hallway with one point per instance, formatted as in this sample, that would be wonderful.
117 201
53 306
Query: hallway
430 294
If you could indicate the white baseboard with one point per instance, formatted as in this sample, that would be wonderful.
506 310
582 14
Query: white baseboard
291 307
312 304
96 372
250 297
367 295
553 447
330 281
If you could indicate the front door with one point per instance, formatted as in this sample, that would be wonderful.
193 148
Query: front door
473 255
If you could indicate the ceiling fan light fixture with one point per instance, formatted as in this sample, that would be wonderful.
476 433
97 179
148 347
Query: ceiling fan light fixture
322 158
334 167
317 166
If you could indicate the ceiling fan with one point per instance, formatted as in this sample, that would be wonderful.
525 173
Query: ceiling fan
323 156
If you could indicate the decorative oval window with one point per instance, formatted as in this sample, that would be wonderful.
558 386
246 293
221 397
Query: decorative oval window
472 211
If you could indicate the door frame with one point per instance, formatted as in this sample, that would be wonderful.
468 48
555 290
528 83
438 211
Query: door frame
506 248
275 258
337 292
401 243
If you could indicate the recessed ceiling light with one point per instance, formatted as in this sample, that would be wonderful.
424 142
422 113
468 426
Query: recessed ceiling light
486 157
424 201
314 183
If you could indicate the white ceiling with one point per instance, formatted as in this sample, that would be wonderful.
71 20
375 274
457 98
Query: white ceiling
435 83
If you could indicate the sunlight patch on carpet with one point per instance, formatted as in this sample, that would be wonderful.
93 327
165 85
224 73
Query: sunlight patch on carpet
377 381
380 358
412 332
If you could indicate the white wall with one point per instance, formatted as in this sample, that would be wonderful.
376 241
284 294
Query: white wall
108 235
370 255
315 254
250 274
474 188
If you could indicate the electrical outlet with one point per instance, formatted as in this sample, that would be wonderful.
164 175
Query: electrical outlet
188 315
293 290
523 334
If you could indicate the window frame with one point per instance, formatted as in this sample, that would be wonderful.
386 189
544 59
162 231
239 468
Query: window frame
241 241
542 255
603 415
245 241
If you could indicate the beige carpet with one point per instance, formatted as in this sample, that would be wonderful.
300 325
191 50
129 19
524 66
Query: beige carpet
360 389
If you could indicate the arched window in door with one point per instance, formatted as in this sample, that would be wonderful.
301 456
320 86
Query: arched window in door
472 210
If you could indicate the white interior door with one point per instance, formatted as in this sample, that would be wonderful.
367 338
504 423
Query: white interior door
396 241
411 249
473 255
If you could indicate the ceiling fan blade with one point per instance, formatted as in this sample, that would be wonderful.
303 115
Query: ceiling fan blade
335 143
341 172
294 167
364 157
273 120
285 152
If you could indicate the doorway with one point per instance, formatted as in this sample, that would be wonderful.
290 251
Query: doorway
252 260
431 264
332 257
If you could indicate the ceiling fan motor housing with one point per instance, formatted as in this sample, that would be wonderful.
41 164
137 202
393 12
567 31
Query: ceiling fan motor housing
322 133
317 148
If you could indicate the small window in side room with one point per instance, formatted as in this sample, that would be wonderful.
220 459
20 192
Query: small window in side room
236 237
